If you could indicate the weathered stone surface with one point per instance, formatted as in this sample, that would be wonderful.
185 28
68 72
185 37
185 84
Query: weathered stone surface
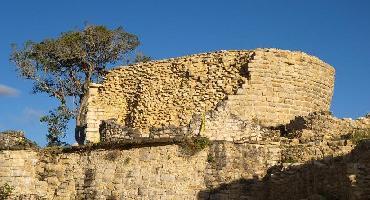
269 85
148 173
15 140
265 163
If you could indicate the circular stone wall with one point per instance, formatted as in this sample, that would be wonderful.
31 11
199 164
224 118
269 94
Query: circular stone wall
284 84
268 85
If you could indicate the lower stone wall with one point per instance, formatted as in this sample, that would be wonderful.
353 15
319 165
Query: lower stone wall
224 170
158 172
312 155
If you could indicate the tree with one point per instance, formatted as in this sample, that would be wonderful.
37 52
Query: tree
57 124
65 66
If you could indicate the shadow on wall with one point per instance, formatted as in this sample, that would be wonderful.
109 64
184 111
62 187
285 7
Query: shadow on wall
343 177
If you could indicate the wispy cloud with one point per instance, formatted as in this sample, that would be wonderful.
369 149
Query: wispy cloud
28 116
31 114
8 91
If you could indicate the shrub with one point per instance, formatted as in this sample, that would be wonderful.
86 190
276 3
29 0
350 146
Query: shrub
360 134
210 159
201 143
6 191
191 146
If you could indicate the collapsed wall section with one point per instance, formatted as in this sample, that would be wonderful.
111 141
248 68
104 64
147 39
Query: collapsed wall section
166 93
320 134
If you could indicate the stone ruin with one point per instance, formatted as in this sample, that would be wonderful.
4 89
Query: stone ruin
266 85
15 140
224 125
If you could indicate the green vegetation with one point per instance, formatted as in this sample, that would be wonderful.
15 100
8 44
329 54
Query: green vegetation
57 121
201 143
64 67
127 161
210 159
191 146
289 160
6 191
202 128
360 134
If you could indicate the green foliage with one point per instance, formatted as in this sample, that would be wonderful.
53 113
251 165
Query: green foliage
64 67
60 67
210 159
191 146
127 161
6 191
360 134
57 124
201 143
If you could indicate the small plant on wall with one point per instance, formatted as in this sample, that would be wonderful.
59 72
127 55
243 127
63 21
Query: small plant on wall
289 159
6 191
211 159
202 127
360 134
191 146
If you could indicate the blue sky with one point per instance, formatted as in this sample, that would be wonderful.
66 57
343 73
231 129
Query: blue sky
336 31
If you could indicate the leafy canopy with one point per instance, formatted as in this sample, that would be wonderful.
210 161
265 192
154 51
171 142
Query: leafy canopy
61 66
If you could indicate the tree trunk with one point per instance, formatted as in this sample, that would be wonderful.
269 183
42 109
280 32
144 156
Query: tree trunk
80 120
80 116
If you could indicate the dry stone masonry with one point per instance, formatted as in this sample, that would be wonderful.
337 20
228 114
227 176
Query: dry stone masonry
269 85
251 125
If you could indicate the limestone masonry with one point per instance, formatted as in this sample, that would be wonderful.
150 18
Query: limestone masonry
269 85
235 125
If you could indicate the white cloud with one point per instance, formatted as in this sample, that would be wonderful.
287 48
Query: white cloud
31 114
28 116
8 91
